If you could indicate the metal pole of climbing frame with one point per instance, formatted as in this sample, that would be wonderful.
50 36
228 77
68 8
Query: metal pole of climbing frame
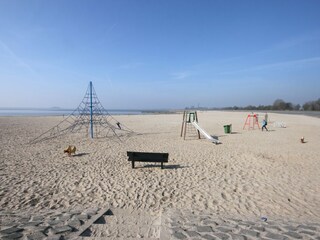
91 122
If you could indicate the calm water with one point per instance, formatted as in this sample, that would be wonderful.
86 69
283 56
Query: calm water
48 112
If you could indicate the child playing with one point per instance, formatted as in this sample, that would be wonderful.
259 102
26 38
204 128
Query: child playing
264 125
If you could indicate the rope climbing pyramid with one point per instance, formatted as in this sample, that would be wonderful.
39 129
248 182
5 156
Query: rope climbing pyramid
90 118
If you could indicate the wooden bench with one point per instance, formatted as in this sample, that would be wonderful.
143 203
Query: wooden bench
147 157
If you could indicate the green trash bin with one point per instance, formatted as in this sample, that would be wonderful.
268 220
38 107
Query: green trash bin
227 128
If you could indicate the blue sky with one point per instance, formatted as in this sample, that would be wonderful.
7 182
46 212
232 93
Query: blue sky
151 54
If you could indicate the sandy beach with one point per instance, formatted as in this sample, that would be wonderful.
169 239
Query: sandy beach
251 174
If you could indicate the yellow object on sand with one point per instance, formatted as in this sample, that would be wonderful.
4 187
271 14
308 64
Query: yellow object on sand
70 150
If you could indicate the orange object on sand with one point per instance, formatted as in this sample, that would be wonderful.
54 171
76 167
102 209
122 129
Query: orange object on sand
70 150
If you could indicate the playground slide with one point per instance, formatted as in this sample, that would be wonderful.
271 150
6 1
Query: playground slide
204 133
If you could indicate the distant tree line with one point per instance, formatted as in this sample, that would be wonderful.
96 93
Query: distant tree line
278 104
312 105
281 105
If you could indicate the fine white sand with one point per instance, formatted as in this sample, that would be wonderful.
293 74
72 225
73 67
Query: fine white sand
252 173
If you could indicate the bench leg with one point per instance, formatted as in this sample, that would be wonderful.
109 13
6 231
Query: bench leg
161 165
132 162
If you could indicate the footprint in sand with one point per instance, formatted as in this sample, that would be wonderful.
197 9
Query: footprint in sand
223 195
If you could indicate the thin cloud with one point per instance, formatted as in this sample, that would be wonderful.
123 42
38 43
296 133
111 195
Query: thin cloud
181 75
132 65
106 34
16 58
112 27
297 40
290 43
65 70
282 45
293 63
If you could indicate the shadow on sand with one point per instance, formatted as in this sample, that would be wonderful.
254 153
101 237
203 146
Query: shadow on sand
176 166
80 154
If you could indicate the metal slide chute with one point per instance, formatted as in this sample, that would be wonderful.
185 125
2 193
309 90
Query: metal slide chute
204 133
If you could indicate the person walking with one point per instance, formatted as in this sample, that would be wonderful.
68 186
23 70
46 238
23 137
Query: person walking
264 125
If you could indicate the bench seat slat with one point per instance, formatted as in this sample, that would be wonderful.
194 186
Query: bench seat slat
148 160
147 157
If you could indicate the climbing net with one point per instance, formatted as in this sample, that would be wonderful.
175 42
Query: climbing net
89 117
